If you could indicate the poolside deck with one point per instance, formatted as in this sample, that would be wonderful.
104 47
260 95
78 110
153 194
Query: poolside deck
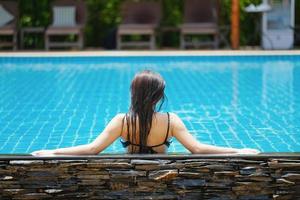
149 53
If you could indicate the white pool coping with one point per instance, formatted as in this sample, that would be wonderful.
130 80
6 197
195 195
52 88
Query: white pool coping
150 53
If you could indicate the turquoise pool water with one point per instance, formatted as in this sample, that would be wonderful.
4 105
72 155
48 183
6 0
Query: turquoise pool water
233 101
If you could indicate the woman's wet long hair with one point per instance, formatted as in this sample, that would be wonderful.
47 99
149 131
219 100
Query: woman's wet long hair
147 90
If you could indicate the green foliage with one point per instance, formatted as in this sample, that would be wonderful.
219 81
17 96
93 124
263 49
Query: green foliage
104 17
297 13
34 13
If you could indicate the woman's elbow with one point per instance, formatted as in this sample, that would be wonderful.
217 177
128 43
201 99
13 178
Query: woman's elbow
93 150
198 149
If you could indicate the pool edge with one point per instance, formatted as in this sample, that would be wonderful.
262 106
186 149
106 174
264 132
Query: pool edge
149 156
150 53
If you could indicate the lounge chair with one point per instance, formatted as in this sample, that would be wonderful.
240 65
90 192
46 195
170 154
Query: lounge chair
200 18
139 18
69 17
9 14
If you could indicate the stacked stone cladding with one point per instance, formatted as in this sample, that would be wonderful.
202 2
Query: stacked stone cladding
243 178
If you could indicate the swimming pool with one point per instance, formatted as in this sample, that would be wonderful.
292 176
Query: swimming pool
233 101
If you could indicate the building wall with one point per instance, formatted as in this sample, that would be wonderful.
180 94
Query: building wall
157 178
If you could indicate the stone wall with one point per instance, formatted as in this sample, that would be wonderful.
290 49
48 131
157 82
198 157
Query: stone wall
129 177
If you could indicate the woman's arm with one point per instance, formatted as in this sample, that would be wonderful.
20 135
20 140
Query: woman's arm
111 132
180 132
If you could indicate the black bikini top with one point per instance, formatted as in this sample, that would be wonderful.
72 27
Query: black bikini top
149 149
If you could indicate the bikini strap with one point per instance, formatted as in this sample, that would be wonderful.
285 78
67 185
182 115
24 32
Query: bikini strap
128 126
122 127
167 134
125 143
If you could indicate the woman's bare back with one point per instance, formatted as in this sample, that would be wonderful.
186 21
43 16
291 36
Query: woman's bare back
158 132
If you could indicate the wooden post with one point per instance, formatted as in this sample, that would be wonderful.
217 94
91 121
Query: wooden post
235 24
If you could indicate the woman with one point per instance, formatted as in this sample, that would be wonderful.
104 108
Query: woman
143 129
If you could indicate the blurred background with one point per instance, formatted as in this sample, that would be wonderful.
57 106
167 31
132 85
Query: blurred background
104 17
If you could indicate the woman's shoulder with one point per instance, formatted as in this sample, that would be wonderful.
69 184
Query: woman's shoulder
173 116
120 116
118 119
175 120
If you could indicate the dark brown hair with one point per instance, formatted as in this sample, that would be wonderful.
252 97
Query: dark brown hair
147 89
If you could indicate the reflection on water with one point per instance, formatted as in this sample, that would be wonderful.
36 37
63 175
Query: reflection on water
278 80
